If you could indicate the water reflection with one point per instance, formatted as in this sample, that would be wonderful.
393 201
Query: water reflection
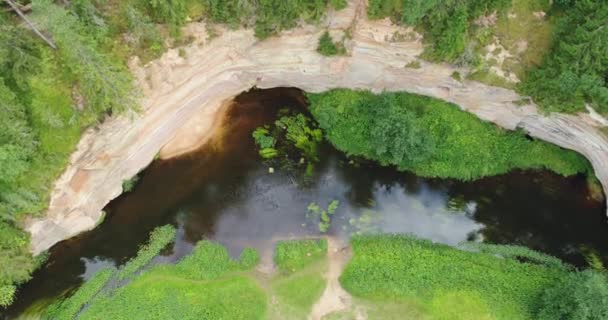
223 192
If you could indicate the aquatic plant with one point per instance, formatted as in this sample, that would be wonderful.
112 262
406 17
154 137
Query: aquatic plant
315 211
159 239
265 142
301 131
367 222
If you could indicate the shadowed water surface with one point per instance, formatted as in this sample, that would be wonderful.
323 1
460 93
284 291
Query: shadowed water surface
224 192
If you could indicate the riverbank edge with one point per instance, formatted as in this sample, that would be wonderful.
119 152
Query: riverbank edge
186 87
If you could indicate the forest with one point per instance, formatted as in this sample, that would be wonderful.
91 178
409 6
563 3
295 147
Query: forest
52 89
574 71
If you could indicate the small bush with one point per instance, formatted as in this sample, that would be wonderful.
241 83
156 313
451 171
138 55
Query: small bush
249 258
327 47
129 184
208 260
7 294
293 255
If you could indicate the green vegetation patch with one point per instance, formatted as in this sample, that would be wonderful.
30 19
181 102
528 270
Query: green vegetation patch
159 239
430 137
297 293
207 284
582 295
446 24
448 283
328 47
300 283
294 255
71 307
268 17
574 71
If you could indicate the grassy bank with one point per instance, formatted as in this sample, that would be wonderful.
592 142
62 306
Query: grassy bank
206 284
389 276
434 281
430 137
299 283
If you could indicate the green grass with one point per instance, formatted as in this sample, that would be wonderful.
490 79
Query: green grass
446 283
297 293
207 284
294 255
489 77
430 137
526 27
160 294
300 283
390 277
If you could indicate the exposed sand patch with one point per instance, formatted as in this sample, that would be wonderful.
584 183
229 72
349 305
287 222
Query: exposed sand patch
334 298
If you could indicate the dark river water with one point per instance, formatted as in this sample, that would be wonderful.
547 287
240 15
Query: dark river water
226 193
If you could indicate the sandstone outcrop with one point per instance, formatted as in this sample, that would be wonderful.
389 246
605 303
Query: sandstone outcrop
183 94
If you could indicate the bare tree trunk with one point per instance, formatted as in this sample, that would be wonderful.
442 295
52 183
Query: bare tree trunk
29 23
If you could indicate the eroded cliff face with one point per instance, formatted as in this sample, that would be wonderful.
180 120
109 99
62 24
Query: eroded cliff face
184 94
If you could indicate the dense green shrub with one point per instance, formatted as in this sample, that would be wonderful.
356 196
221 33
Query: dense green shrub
445 23
159 239
579 296
326 46
430 137
293 255
208 260
574 72
7 295
398 267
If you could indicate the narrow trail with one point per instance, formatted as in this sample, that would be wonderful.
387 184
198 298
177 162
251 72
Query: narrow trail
334 298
